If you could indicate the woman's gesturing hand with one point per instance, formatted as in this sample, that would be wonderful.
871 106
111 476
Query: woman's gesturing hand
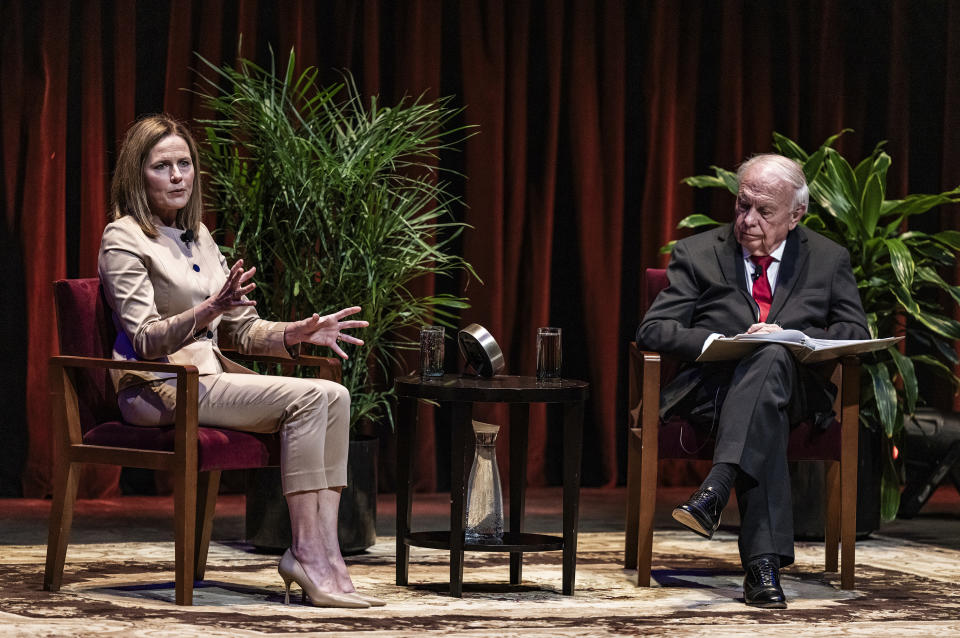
325 330
232 293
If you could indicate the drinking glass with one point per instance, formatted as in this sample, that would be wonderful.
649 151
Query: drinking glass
549 354
431 352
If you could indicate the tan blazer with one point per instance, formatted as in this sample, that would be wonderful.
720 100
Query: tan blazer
153 284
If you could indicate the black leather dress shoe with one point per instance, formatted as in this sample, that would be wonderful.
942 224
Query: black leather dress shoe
701 512
761 585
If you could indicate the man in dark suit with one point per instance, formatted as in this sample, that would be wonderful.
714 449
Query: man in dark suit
760 274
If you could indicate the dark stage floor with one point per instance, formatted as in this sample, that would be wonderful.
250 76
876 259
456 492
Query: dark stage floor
147 518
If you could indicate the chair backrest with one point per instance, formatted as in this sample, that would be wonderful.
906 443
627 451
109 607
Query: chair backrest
85 329
654 280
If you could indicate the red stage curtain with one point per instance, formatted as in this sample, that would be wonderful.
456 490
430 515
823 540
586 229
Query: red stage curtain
590 113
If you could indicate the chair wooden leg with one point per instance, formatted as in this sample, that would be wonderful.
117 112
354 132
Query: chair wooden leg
849 447
61 519
848 512
208 485
648 503
832 516
649 457
185 528
633 499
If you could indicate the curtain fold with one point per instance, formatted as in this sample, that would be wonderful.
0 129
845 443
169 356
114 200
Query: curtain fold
44 151
596 125
589 115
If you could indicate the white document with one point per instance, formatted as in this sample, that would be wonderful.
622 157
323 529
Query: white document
805 349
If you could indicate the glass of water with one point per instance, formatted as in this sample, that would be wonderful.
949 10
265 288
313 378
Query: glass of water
431 352
549 354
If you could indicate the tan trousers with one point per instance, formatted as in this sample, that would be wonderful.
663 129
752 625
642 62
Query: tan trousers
312 416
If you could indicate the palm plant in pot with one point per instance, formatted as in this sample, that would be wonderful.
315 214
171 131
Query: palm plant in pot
338 202
897 275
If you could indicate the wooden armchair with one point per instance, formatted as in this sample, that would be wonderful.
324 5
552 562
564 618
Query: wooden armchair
651 439
88 428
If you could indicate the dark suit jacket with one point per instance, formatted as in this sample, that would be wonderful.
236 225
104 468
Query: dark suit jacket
815 292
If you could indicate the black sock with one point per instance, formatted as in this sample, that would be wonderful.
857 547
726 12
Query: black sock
720 480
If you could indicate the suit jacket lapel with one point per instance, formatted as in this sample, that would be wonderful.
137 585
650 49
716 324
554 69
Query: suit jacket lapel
794 262
730 258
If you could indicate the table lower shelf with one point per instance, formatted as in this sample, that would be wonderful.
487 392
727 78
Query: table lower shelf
510 543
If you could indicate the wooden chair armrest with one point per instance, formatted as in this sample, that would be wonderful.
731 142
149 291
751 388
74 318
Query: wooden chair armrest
65 361
65 403
328 367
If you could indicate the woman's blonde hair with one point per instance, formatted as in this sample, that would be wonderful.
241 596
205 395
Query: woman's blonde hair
128 194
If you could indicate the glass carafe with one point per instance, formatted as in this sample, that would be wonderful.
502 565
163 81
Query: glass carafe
484 497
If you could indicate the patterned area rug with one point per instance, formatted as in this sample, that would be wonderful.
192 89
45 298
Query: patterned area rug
125 589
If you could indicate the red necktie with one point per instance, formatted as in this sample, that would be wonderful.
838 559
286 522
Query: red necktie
761 285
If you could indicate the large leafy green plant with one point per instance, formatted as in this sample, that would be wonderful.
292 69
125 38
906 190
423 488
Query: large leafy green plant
338 202
896 271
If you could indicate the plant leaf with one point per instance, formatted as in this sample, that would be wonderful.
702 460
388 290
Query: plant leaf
828 143
880 166
938 367
721 178
787 147
704 181
902 261
908 376
811 168
667 248
931 276
885 395
939 324
697 220
920 203
842 175
870 204
949 238
729 178
889 485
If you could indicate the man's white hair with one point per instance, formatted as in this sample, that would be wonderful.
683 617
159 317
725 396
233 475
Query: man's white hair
787 170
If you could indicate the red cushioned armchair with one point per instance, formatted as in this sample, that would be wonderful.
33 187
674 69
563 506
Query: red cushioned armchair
88 428
651 439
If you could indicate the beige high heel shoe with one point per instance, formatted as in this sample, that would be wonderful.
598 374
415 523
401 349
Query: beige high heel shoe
291 571
370 600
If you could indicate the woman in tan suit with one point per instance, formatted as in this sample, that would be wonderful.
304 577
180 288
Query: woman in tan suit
174 298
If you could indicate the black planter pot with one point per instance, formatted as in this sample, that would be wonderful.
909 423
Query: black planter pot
808 480
268 520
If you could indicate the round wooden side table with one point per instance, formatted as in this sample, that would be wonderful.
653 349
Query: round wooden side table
565 399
